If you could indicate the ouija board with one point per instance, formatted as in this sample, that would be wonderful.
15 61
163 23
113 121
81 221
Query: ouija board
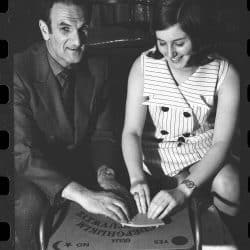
77 229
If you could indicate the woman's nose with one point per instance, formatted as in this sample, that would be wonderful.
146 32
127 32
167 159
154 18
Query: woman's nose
171 52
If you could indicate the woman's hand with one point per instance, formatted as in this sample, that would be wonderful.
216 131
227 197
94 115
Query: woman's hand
165 201
140 190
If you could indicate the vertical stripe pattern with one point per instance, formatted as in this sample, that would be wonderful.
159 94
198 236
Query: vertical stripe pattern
177 131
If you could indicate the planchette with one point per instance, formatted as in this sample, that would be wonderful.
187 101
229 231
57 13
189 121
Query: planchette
141 220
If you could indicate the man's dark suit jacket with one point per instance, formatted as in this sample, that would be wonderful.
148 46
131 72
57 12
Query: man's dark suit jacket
49 151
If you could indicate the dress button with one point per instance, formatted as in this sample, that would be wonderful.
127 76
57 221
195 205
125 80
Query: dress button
165 109
186 114
181 140
186 134
146 98
164 132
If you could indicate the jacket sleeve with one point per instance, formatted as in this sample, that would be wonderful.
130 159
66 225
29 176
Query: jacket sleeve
30 162
103 143
103 140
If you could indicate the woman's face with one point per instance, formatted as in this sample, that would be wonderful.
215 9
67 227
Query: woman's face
175 45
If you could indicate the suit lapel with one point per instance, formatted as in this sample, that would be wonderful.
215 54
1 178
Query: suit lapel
50 95
84 90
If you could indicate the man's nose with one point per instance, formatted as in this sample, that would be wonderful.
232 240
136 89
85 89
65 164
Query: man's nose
77 39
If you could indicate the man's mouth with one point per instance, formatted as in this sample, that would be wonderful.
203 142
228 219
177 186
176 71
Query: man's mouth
75 49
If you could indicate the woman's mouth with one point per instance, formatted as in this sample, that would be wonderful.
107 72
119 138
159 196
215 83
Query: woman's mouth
175 59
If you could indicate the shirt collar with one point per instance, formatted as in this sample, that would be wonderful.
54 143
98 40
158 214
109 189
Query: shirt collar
55 66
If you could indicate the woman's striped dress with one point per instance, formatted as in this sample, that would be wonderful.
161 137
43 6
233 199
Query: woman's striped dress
178 129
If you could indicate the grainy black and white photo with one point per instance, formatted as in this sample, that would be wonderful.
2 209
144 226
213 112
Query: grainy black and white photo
126 125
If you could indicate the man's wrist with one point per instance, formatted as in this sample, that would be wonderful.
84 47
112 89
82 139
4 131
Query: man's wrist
187 186
74 192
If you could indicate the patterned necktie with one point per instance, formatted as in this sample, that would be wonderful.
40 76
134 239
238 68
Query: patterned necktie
68 93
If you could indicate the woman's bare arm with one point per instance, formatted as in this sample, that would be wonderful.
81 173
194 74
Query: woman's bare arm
225 123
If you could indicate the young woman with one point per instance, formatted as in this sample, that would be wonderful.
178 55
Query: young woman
181 112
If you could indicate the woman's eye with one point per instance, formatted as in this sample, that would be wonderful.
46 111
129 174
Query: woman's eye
179 44
162 43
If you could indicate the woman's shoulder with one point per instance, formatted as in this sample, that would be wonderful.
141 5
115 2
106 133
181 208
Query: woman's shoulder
152 54
147 58
217 65
152 58
149 52
217 60
225 70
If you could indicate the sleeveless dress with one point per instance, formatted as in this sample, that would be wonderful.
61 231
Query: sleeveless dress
180 118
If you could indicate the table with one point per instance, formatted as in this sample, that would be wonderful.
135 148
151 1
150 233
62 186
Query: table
78 229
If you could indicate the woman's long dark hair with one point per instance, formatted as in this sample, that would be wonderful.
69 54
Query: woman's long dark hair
196 21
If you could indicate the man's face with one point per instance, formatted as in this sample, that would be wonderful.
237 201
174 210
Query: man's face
65 40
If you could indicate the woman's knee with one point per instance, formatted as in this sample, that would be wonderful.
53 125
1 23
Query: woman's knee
226 182
226 189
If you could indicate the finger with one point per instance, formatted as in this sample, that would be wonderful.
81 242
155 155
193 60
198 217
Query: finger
124 209
143 201
153 205
159 198
111 215
158 210
168 209
164 214
147 195
118 212
138 203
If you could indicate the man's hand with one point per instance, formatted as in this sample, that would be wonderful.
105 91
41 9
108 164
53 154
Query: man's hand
105 203
106 179
108 204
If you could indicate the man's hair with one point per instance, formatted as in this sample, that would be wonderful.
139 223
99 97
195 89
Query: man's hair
192 16
46 6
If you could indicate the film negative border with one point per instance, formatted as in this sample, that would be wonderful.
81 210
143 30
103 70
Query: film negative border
4 139
248 106
7 244
4 94
5 231
3 49
4 6
6 169
4 185
248 229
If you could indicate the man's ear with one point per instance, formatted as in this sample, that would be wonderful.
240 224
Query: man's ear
44 30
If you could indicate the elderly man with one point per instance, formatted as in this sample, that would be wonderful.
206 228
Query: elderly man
62 123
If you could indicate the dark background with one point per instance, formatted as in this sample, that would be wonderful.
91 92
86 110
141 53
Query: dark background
21 29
